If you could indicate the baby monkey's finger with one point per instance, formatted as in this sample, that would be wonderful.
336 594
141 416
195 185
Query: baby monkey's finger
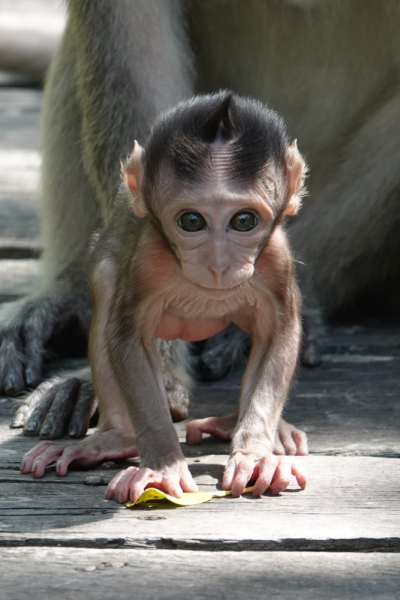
138 483
83 411
30 457
47 458
300 473
110 490
242 475
266 472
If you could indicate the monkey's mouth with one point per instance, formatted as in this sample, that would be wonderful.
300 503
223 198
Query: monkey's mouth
217 289
218 292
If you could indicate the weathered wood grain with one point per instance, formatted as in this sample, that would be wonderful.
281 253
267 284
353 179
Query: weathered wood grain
20 162
126 574
29 34
41 8
18 278
350 404
20 124
348 501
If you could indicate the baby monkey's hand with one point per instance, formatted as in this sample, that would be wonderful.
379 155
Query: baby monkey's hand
173 479
267 471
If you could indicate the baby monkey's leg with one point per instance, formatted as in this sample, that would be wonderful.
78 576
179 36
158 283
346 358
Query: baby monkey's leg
115 437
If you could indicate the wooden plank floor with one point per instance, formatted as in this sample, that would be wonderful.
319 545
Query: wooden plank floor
179 575
340 538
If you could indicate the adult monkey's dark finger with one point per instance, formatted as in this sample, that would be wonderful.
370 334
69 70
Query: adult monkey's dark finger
20 416
83 411
42 405
32 401
58 416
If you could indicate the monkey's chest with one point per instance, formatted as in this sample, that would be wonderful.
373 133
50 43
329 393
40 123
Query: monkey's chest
172 327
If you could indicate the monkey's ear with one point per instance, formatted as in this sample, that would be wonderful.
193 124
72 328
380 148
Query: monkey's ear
297 171
133 175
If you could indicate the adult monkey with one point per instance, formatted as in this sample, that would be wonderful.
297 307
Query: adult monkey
331 69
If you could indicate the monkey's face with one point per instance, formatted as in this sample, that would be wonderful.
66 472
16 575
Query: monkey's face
216 227
217 236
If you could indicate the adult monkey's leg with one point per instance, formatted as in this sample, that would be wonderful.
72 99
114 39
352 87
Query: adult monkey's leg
348 231
69 214
133 63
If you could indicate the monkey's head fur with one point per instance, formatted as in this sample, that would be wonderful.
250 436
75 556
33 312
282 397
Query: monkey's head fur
216 176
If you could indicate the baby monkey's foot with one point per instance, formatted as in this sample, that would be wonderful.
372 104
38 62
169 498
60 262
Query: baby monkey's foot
173 479
288 439
102 445
221 427
178 400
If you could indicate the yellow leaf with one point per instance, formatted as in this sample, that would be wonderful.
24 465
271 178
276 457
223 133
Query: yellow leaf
187 498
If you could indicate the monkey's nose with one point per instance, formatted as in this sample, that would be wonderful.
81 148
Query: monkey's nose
218 273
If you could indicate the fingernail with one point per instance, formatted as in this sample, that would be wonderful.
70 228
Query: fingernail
277 491
58 468
22 466
31 426
119 497
73 430
46 430
34 468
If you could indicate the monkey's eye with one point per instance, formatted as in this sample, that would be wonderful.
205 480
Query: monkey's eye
243 221
191 221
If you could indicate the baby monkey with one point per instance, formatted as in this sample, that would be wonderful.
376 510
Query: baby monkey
195 244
